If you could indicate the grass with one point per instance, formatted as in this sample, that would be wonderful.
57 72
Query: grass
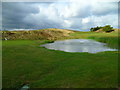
112 39
25 62
42 34
112 42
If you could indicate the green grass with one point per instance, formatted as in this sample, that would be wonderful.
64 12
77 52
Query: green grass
25 62
112 42
111 39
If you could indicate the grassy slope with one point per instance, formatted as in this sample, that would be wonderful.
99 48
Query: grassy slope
25 62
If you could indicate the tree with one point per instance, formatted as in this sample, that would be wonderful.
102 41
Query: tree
95 29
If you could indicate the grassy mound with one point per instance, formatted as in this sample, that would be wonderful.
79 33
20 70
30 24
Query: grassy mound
43 34
106 29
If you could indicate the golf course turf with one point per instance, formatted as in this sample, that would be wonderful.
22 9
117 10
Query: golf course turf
24 61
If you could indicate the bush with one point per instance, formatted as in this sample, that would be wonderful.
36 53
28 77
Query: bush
108 28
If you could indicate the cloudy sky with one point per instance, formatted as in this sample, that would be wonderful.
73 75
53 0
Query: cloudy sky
76 15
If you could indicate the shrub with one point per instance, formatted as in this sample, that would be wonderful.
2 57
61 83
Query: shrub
108 28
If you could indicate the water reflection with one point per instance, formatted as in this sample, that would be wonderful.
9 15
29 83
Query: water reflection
78 45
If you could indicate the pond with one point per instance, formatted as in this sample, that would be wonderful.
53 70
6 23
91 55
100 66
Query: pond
79 45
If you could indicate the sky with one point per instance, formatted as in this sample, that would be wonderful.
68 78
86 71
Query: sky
69 14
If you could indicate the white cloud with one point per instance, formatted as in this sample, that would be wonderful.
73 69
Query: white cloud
67 23
85 20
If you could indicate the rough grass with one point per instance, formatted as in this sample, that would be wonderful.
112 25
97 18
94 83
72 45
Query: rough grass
43 34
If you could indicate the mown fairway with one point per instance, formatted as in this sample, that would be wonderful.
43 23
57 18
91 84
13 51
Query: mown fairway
24 61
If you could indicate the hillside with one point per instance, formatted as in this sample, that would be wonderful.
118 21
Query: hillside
49 34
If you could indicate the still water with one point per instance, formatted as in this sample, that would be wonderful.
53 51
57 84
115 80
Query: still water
79 45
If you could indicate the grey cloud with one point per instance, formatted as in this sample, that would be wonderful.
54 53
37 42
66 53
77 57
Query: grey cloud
104 8
31 15
13 13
